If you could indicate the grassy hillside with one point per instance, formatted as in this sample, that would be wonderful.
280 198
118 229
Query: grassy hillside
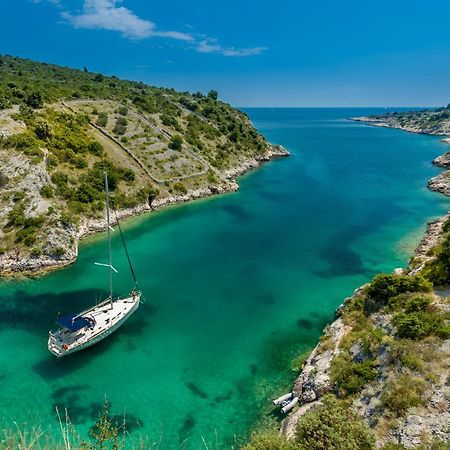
60 128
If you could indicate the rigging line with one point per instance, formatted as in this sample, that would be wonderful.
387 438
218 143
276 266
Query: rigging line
125 247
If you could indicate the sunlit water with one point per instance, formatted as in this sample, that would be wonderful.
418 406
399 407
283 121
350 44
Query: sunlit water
236 286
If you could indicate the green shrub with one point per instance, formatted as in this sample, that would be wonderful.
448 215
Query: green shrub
36 252
176 142
123 110
334 426
58 252
416 325
385 286
121 125
102 119
46 191
403 393
95 148
412 362
180 187
350 377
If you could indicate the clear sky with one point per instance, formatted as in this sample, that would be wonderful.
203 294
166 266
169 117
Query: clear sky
254 52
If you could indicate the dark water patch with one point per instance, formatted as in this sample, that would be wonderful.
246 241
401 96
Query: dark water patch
253 369
305 323
75 401
38 311
53 368
342 261
223 397
237 212
196 390
186 428
127 422
63 392
266 299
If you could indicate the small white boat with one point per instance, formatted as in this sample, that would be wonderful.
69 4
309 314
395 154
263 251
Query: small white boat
94 324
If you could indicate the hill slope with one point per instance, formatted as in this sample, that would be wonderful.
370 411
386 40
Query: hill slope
60 128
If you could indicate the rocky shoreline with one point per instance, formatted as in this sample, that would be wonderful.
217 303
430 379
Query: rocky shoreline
314 379
13 264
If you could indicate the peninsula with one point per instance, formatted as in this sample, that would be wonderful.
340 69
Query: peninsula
60 128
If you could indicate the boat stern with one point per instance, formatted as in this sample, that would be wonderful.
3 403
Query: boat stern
55 346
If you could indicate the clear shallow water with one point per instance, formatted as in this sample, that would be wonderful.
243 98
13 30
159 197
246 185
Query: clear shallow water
236 286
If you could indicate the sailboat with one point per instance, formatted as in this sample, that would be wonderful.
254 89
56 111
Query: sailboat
94 324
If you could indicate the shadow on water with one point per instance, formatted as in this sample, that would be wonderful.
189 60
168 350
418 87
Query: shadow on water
76 401
196 390
237 212
186 428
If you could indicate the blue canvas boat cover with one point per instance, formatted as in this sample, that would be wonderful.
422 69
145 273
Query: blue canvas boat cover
72 322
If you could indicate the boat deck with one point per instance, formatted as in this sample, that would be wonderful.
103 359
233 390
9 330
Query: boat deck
108 317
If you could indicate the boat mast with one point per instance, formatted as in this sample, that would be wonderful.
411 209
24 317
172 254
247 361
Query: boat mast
108 226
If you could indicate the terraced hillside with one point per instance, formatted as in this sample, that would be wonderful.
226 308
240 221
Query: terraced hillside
61 128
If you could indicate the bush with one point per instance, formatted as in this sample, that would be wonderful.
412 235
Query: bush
403 393
417 325
95 148
46 191
350 377
34 100
409 303
438 271
334 426
180 187
58 252
102 119
123 110
121 125
385 286
176 142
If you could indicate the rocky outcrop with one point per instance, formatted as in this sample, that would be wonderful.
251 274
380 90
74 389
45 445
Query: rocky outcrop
275 151
440 183
432 238
443 160
314 379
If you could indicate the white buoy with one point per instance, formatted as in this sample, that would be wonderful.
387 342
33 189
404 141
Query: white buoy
290 405
280 400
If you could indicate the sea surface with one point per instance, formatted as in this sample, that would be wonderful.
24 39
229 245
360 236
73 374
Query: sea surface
236 287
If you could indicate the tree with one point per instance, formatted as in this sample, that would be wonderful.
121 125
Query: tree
34 100
213 95
176 142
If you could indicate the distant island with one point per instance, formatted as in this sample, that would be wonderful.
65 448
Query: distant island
60 128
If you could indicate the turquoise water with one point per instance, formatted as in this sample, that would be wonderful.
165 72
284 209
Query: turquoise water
236 286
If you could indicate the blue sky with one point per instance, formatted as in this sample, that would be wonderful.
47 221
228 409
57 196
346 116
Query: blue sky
255 53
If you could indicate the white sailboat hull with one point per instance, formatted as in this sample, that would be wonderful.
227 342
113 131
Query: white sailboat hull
108 318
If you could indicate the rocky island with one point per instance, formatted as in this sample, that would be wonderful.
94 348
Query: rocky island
380 375
60 128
